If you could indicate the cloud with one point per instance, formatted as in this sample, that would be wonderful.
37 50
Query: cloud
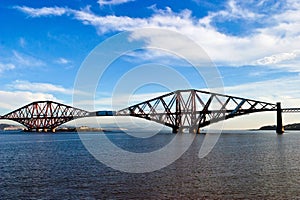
11 100
112 2
278 33
6 67
109 23
24 92
233 11
22 42
26 60
236 11
14 59
42 87
62 61
45 11
38 87
278 58
11 60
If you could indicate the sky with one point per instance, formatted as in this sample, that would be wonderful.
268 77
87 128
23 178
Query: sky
254 45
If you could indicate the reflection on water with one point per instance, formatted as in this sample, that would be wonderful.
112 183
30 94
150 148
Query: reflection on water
253 165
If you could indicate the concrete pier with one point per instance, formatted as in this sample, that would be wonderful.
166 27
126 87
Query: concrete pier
279 127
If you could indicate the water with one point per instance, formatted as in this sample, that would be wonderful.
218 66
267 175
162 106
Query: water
242 165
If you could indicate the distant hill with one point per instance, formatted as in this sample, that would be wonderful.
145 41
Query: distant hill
3 126
295 126
10 127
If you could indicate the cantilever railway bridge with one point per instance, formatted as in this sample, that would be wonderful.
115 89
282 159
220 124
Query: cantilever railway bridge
181 109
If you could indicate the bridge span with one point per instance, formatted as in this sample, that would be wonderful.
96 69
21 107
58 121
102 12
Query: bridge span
182 109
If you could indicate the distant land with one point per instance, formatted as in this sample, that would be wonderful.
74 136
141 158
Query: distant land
4 126
295 126
9 127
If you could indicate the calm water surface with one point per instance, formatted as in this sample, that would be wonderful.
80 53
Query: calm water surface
242 165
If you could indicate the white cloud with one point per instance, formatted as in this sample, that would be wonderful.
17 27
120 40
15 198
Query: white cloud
22 42
109 23
14 100
112 2
233 11
45 11
21 85
62 61
278 58
6 67
16 60
39 87
26 60
280 35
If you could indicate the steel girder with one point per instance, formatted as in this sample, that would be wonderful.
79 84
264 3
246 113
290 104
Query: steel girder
193 109
45 115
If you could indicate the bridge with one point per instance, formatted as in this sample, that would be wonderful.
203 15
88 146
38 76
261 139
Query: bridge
182 109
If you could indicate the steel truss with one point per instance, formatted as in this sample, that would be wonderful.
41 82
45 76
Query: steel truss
45 115
193 109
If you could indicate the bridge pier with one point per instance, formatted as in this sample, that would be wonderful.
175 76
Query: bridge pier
279 127
175 130
194 130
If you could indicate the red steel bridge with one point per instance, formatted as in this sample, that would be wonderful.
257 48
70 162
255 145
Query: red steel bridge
180 110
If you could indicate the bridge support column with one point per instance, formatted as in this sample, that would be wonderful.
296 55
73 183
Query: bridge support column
194 130
175 130
279 127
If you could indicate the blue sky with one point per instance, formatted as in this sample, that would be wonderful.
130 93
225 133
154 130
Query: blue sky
254 44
